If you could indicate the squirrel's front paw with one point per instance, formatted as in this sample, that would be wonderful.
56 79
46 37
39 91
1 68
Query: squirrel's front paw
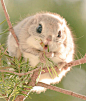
43 56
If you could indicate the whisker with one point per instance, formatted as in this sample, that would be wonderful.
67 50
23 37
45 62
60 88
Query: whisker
77 58
80 54
80 37
80 48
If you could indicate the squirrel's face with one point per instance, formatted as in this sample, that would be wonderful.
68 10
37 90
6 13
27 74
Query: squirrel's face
49 28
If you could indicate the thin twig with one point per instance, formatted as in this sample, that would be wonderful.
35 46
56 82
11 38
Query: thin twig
61 90
8 21
19 74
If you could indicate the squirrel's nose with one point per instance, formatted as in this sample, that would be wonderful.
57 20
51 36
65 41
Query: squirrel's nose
49 38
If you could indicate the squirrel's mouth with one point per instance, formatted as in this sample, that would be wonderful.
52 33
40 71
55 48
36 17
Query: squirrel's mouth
45 46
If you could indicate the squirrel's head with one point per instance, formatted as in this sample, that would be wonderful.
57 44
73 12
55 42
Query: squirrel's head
50 28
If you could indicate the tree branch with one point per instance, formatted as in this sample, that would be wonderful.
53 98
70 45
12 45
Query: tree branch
76 62
9 23
61 90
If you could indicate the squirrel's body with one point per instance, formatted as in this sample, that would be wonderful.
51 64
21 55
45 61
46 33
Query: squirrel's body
54 32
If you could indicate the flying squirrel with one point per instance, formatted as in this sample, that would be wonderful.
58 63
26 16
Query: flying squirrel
55 34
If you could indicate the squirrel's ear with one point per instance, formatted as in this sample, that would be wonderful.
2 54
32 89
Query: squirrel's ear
33 19
64 23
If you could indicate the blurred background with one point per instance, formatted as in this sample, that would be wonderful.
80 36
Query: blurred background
74 11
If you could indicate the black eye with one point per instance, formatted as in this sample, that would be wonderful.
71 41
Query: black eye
39 29
59 34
